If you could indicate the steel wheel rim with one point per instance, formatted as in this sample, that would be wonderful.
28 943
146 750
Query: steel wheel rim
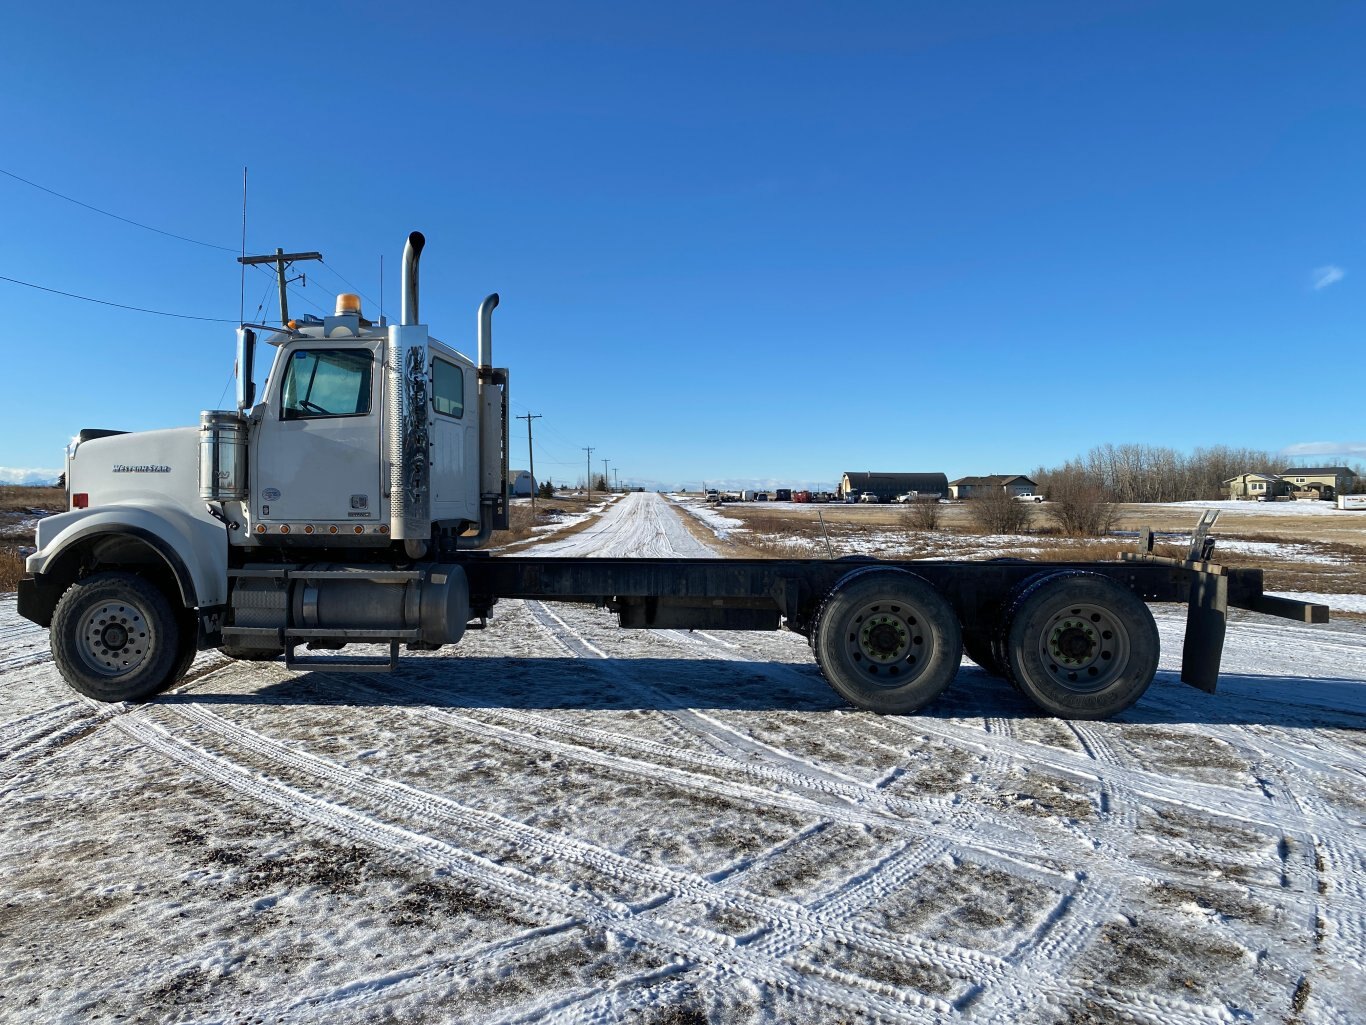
115 638
1084 647
889 643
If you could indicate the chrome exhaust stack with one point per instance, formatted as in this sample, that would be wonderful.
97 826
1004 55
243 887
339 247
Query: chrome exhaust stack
406 434
493 434
412 252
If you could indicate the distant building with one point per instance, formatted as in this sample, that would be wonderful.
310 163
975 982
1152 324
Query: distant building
976 487
888 485
1257 486
1328 481
521 484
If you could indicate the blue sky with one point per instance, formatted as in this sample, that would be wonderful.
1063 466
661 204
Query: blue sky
771 241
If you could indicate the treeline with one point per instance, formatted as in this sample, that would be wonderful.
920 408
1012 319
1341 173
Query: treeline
1150 473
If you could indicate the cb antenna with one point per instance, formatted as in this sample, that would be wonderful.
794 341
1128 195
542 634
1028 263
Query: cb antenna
242 288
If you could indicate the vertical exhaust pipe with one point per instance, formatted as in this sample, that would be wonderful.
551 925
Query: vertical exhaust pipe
406 437
493 435
486 309
412 252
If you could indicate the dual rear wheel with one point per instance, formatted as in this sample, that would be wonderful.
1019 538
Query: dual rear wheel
1075 643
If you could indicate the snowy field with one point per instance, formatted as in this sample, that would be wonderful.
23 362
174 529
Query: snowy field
561 821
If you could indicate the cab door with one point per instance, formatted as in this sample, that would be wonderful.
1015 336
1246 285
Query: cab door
455 438
317 457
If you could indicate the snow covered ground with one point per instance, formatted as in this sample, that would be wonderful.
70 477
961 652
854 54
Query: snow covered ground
1259 508
561 821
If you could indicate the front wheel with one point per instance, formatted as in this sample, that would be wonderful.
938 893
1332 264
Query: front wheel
115 637
887 641
1080 646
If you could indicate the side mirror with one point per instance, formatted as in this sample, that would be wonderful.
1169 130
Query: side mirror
246 364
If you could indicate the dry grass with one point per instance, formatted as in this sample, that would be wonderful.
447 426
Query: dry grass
18 505
549 511
11 569
20 499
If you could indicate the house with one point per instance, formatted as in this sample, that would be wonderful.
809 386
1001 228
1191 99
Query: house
1328 481
976 487
1257 487
521 484
886 486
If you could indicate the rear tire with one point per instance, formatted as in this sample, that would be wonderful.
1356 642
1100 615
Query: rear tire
887 641
978 647
115 637
1080 646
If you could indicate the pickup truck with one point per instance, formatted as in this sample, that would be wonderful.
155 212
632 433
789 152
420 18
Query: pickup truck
1028 496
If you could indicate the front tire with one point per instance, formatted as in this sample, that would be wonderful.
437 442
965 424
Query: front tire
1080 646
115 637
887 641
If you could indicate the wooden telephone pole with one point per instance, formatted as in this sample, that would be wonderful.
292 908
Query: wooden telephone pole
531 460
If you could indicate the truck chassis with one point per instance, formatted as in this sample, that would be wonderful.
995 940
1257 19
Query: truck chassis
1077 638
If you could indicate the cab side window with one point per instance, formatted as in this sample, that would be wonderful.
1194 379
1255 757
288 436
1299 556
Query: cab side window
448 388
326 382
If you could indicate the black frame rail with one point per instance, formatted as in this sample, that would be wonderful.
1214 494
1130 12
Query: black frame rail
757 594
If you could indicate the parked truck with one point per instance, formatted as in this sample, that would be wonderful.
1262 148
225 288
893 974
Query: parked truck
348 503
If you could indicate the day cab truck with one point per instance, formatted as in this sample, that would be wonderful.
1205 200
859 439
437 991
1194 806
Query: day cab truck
350 501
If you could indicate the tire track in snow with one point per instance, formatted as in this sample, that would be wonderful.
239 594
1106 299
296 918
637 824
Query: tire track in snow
672 938
1070 930
433 810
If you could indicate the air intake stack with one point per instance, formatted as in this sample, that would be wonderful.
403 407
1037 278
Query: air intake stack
407 390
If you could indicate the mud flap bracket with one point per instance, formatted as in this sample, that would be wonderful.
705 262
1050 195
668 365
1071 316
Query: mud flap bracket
1206 624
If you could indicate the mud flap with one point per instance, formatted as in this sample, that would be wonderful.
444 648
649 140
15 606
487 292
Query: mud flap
1206 624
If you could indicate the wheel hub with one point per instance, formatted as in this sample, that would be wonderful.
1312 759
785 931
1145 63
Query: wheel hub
883 637
115 638
1085 647
887 643
1073 642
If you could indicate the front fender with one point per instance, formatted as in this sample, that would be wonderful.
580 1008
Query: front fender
196 550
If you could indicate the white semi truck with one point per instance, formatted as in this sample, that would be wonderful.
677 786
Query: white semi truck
348 503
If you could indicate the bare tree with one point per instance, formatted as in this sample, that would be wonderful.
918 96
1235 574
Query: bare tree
1150 473
997 512
1078 503
922 515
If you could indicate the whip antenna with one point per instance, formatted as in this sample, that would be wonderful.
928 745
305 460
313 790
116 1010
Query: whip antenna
242 288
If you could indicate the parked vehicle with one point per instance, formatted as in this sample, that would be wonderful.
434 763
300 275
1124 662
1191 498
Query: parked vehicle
782 495
1028 496
868 498
345 506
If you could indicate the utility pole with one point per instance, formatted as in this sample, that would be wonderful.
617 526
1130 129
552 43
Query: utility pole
589 479
531 459
617 477
606 484
282 261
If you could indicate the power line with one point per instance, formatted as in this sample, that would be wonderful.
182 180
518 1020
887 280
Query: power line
355 288
126 220
106 302
168 234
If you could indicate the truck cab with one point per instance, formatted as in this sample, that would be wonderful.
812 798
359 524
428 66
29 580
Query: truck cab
324 512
